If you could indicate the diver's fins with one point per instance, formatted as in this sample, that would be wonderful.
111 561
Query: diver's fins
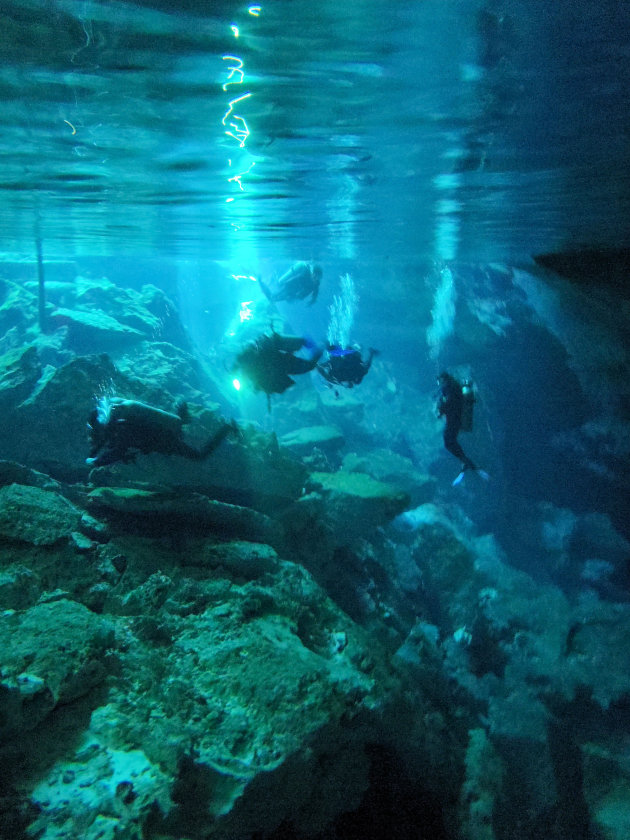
482 473
218 437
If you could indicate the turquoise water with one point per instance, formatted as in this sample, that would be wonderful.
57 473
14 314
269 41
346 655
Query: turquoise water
460 129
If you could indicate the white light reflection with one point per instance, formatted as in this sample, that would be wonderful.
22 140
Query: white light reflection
238 68
237 178
240 163
241 131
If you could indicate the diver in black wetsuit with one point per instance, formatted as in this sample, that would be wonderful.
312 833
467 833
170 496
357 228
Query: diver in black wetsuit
120 429
345 366
269 361
300 281
456 407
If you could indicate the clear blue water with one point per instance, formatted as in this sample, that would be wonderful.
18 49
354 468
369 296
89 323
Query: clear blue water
461 129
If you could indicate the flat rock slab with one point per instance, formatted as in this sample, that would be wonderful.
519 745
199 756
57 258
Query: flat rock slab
186 509
303 441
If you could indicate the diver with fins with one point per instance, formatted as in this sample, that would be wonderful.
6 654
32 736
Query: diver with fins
455 402
300 281
269 362
119 429
345 365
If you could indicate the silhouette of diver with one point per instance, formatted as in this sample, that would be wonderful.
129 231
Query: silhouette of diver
119 429
455 403
345 365
269 361
300 281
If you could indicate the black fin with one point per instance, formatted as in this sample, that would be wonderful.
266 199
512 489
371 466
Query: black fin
219 437
181 409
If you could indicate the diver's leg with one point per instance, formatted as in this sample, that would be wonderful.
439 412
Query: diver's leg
218 437
452 445
288 343
294 364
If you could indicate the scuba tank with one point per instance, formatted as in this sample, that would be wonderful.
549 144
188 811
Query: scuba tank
468 401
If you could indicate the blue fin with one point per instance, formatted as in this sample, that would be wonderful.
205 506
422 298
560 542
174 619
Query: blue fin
459 478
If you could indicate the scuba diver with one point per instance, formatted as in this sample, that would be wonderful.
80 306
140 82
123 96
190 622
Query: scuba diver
455 403
269 361
345 365
119 429
300 281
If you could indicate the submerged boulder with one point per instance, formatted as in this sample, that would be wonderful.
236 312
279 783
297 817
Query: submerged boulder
302 441
191 511
19 371
388 466
14 473
93 331
356 503
52 654
33 515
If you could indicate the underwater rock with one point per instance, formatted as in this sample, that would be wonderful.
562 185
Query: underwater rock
52 654
597 658
97 311
162 308
342 405
302 441
250 705
530 653
102 792
576 549
355 503
18 315
385 465
93 332
94 529
19 371
19 588
14 473
606 267
482 785
165 368
169 511
41 517
149 313
126 306
237 558
606 777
